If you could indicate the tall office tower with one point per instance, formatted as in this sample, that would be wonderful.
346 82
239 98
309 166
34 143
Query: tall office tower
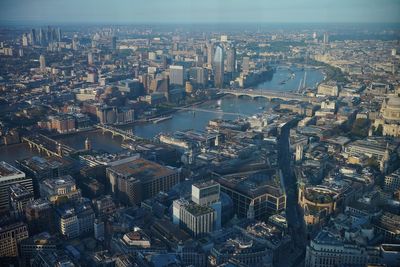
219 67
114 43
231 59
42 37
42 62
326 38
75 43
201 76
201 214
98 229
24 40
246 64
208 194
10 175
19 197
210 55
164 60
176 75
11 234
90 58
59 36
33 37
196 219
49 34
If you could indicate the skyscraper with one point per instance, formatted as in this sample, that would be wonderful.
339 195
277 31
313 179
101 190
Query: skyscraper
59 35
90 58
114 43
219 67
42 37
176 75
326 38
33 37
42 61
210 55
246 64
231 59
24 40
75 43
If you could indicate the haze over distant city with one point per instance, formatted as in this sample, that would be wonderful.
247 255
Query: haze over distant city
206 11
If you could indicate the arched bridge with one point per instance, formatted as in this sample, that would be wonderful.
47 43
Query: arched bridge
126 135
268 94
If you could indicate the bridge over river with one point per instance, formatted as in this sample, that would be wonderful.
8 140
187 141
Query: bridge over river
268 94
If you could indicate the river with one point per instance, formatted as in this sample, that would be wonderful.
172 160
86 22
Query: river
230 108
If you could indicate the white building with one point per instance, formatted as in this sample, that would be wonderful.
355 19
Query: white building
202 214
328 89
327 250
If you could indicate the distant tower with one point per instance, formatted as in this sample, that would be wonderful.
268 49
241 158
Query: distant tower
384 164
217 139
75 43
188 87
90 58
59 35
33 37
88 144
299 152
210 55
24 40
42 62
246 65
231 59
314 36
114 43
59 150
41 37
326 38
219 67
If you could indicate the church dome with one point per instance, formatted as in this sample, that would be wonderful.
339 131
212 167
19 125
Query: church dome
391 108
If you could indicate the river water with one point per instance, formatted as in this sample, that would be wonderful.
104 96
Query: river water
230 108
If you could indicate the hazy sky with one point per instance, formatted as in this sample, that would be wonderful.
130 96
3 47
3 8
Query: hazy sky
187 11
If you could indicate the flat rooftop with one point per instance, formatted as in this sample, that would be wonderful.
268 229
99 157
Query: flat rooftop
19 190
391 247
197 210
255 184
7 169
65 180
205 184
39 163
142 169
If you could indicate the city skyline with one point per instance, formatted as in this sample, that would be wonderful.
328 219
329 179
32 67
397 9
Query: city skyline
221 11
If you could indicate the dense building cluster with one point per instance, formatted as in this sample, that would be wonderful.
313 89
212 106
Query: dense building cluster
310 178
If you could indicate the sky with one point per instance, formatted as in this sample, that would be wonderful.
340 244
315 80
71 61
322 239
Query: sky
200 11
